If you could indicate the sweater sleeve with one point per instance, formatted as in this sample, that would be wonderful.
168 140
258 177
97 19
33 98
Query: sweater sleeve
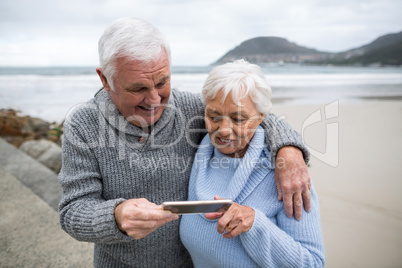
84 214
279 134
291 243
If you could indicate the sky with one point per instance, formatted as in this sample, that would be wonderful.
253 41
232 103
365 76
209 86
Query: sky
65 33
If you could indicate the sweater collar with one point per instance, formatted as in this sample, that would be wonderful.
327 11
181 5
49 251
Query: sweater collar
161 131
253 167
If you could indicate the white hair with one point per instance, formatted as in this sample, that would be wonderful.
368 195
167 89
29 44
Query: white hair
133 38
242 79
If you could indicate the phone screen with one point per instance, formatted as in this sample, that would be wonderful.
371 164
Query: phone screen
195 207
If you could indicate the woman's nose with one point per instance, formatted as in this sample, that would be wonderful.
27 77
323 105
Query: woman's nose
226 127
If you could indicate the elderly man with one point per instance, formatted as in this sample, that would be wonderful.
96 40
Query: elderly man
132 147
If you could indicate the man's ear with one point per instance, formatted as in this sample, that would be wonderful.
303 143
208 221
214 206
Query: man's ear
103 79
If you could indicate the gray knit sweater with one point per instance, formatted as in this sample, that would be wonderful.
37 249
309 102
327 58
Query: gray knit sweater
107 160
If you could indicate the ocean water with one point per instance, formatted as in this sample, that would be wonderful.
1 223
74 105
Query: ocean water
49 93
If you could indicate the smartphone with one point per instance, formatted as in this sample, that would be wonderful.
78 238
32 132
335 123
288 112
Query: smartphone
197 207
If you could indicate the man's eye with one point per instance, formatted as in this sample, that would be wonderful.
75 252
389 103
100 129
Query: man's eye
138 90
161 84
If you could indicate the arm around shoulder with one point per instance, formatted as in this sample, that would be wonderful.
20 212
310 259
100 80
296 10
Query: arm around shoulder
291 174
280 134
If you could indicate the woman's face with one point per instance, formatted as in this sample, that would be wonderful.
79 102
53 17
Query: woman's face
231 126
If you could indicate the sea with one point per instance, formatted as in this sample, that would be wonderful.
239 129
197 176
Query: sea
51 92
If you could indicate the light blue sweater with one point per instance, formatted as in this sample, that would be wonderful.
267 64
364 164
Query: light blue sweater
274 239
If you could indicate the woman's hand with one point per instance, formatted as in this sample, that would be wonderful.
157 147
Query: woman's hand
238 219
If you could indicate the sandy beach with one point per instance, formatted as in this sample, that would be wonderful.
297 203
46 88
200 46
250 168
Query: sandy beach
360 200
355 167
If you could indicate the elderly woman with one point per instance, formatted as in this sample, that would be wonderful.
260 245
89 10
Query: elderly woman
233 162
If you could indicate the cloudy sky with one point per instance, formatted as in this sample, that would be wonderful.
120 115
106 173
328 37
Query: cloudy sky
66 32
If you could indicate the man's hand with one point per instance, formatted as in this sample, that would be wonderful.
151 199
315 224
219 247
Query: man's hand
139 217
293 181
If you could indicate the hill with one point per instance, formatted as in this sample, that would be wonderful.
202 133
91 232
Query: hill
384 41
271 49
385 50
390 55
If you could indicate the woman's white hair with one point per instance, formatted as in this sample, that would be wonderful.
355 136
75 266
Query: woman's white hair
242 79
133 38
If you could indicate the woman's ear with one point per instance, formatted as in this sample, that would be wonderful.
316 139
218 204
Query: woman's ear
262 116
103 78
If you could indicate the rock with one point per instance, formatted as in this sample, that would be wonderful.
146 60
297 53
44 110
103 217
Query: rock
46 152
37 125
16 128
14 140
11 124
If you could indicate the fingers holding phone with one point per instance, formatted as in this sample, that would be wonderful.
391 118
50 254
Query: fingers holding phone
139 217
215 215
238 219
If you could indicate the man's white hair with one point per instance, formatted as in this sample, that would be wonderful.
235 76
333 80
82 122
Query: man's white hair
242 79
133 38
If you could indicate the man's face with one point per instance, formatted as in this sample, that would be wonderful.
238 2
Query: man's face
141 91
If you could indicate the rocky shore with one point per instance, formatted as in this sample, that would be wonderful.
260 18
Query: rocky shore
30 232
34 136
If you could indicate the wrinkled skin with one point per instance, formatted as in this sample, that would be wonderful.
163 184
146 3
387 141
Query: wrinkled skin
293 181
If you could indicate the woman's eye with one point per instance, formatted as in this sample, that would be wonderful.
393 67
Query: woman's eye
215 118
238 120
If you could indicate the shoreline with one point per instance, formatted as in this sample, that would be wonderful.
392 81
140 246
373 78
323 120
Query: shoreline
53 116
351 100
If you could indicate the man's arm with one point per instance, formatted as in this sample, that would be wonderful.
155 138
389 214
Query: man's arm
84 213
290 156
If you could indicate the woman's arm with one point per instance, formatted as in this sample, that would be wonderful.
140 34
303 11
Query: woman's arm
291 243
